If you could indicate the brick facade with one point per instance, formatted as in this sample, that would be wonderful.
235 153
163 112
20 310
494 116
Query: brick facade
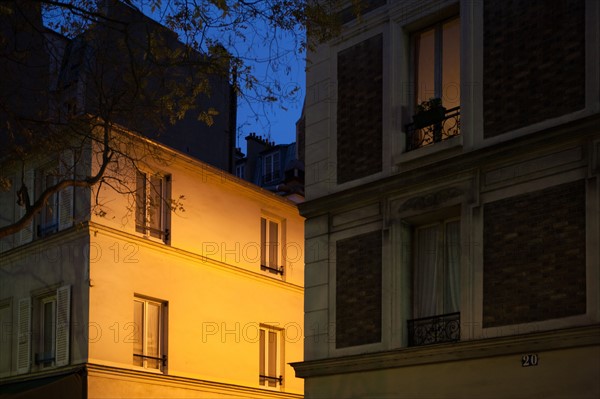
358 290
359 110
533 60
534 256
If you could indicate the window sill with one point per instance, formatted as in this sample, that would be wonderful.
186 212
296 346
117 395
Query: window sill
148 370
430 150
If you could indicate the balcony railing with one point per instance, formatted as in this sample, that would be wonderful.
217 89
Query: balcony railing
434 330
446 128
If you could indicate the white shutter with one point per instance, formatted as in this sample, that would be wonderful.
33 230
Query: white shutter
26 234
63 324
24 336
65 196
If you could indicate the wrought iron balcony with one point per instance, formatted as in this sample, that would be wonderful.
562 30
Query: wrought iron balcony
434 330
445 128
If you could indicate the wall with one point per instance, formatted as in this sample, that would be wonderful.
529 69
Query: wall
208 274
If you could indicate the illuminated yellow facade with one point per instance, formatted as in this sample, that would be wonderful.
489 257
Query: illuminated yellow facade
137 299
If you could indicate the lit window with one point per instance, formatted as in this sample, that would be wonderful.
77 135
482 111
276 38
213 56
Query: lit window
148 339
437 63
271 357
153 205
436 71
270 245
272 167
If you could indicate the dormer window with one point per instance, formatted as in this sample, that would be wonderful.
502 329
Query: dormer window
272 167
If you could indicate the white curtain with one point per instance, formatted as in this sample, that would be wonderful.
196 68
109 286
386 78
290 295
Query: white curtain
153 335
426 271
436 280
452 275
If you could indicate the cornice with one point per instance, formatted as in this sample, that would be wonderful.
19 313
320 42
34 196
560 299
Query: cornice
453 352
184 382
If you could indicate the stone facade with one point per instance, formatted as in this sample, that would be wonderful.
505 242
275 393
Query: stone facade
475 250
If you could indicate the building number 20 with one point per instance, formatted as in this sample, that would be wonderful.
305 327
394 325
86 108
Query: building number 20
529 360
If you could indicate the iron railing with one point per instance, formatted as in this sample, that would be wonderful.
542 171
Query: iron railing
434 330
446 128
276 270
162 359
268 378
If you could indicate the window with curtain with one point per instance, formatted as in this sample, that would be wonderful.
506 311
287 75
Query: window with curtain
436 269
148 317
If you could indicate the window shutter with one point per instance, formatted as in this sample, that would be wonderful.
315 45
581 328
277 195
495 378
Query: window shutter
65 196
26 234
63 322
24 336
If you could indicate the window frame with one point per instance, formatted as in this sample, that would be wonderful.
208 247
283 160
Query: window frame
141 333
240 171
266 246
47 356
271 366
272 173
441 270
47 221
438 31
145 189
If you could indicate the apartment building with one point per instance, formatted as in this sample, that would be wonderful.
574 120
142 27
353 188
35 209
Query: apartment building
452 202
170 279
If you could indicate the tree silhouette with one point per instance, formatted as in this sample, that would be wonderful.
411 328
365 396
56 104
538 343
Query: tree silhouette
79 76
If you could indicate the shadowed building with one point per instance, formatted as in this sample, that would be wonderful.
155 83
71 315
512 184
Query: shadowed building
452 202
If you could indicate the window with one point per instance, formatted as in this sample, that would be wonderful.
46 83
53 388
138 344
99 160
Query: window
51 326
437 63
271 357
436 74
240 171
48 218
270 244
149 330
47 330
153 197
436 283
272 167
